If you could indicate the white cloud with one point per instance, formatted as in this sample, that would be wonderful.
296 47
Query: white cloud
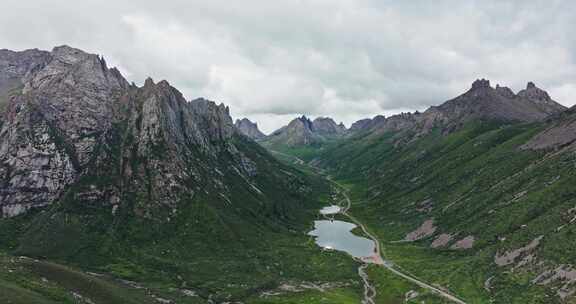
349 59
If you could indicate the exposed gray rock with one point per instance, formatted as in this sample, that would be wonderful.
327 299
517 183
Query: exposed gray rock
381 124
442 240
510 257
249 128
465 243
304 132
49 130
15 65
360 125
541 99
505 91
326 126
560 133
425 230
565 275
75 117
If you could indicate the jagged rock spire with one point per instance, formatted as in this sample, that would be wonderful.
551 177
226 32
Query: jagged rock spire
481 83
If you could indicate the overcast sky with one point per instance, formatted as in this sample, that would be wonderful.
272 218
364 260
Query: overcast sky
271 60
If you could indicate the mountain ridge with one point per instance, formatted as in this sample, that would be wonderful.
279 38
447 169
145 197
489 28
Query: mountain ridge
481 101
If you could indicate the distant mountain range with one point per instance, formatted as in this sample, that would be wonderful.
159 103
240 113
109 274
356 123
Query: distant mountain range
480 102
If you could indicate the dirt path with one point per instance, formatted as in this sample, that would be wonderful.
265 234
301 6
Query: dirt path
377 257
369 290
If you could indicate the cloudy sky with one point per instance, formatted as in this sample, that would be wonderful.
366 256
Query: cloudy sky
349 59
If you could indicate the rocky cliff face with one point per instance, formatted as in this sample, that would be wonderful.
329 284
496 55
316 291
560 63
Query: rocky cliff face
51 126
74 119
249 128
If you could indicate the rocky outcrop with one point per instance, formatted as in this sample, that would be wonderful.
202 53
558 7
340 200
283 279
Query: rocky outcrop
249 128
75 119
465 243
563 275
509 257
425 230
442 240
540 98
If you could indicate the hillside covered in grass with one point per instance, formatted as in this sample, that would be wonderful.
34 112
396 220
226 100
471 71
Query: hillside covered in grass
485 207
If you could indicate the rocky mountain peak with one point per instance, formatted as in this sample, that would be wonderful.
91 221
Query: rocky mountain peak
480 84
149 83
249 128
534 93
71 55
541 99
302 122
500 104
72 109
304 119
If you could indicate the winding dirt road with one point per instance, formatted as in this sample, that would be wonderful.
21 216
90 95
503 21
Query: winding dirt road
377 257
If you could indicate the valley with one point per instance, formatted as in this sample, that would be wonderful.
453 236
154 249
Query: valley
112 192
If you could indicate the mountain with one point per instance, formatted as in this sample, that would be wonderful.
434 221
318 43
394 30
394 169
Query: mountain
327 127
298 132
480 102
498 104
140 184
303 133
248 128
302 137
475 194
